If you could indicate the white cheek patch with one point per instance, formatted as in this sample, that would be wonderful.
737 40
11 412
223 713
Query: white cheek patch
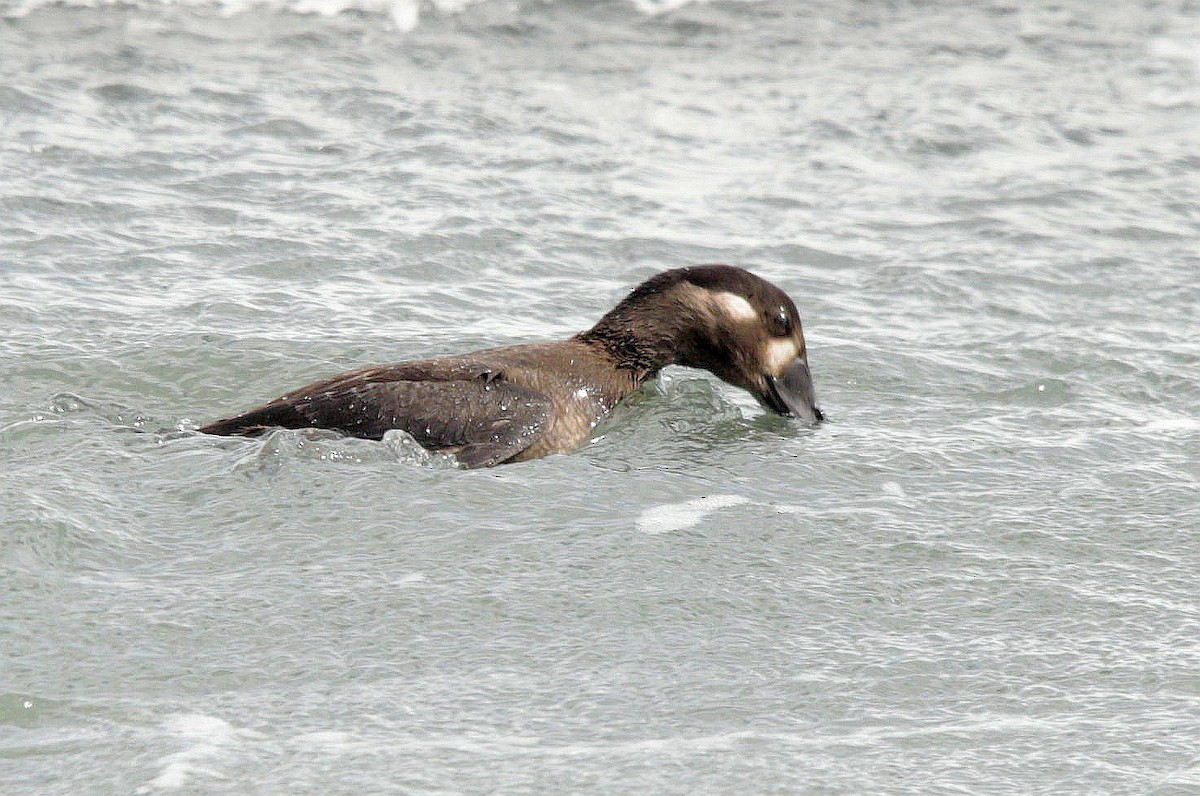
735 306
778 354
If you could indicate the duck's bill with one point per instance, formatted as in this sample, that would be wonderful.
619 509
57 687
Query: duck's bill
792 394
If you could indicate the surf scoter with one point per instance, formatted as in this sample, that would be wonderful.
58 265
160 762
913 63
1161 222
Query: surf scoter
526 401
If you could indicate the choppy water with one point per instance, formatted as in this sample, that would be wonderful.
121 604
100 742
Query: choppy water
979 577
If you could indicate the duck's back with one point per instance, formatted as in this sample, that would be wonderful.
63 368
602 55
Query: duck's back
502 404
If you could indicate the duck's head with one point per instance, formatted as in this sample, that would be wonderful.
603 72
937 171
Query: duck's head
723 319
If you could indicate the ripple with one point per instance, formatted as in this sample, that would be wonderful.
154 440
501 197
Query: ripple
14 100
124 93
284 129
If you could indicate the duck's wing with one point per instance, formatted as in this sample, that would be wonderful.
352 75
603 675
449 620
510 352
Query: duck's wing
469 410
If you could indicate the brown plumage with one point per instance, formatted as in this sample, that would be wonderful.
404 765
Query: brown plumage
526 401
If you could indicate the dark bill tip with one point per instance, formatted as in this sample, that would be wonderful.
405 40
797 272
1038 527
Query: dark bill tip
792 393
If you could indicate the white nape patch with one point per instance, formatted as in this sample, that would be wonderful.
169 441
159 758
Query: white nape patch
735 306
778 354
677 516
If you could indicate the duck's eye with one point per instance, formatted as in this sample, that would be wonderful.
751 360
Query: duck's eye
779 323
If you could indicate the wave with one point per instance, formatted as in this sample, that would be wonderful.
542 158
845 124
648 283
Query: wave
405 14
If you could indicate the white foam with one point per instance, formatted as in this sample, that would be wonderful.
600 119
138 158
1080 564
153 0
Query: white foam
325 741
663 6
678 516
1172 423
405 14
210 736
1187 50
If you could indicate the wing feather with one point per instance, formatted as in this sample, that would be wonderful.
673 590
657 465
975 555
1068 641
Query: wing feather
459 407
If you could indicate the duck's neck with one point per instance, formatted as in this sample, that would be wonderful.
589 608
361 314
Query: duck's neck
643 334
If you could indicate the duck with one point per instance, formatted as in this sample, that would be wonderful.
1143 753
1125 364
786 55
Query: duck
522 402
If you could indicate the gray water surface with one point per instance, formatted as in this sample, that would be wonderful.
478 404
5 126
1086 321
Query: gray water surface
979 577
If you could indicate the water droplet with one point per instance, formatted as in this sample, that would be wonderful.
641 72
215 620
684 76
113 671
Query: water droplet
66 402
